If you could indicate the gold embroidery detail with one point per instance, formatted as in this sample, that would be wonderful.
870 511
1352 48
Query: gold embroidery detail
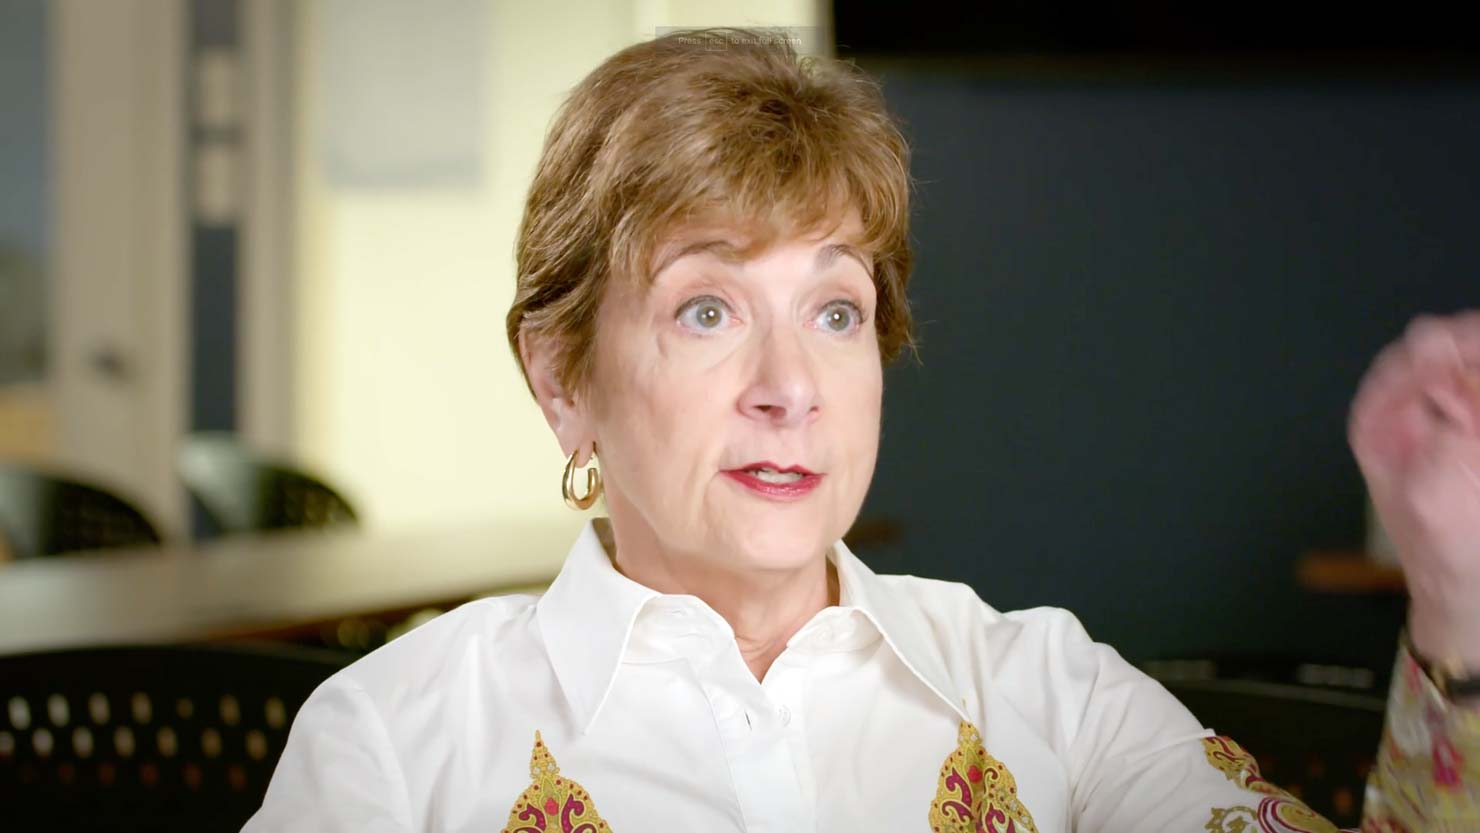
1278 811
1237 765
976 792
1233 820
552 802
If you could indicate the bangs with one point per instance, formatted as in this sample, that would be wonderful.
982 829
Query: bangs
772 167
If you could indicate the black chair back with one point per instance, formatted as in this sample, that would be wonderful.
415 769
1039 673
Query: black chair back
241 491
156 738
46 514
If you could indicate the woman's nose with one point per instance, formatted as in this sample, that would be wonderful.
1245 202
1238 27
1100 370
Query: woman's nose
783 391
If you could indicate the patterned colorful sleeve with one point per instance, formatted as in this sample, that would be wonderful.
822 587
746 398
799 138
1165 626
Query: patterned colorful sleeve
1427 775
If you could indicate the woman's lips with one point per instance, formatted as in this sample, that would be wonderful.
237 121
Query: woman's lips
795 490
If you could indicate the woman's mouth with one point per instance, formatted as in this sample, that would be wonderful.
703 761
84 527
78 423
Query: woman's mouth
772 481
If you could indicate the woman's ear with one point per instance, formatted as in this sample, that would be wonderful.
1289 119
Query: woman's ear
566 416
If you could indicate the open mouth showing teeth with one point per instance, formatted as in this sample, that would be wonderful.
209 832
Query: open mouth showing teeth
773 476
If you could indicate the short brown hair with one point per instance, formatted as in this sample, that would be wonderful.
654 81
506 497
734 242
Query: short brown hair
705 124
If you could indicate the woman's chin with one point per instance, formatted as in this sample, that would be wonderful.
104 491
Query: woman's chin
783 544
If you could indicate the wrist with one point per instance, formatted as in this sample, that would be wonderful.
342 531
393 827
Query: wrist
1456 681
1453 639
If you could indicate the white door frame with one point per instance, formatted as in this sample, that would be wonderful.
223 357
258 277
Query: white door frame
266 300
118 347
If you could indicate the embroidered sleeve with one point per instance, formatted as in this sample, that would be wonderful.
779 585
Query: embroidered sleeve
1265 807
1427 776
1205 784
1140 762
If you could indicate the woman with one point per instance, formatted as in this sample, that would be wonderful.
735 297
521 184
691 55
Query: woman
712 272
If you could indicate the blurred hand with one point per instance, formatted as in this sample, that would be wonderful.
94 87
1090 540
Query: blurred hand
1414 428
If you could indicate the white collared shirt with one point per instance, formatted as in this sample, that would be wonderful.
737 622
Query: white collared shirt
910 706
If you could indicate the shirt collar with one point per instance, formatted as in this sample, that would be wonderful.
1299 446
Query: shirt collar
900 621
587 616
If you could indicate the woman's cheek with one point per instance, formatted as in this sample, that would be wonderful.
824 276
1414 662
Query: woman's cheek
671 398
686 353
860 364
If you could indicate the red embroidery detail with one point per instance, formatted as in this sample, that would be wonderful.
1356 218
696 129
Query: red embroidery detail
566 806
1446 763
976 793
1277 811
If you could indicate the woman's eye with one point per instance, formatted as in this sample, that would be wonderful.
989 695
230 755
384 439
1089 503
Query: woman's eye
706 314
840 317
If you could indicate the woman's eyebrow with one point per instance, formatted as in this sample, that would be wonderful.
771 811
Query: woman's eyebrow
829 253
722 248
730 251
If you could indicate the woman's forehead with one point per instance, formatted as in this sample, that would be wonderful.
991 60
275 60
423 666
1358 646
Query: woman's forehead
732 239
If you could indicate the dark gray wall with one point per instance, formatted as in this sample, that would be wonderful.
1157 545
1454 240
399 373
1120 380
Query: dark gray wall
1143 311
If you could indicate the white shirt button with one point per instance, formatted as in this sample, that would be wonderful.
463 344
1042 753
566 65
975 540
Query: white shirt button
785 714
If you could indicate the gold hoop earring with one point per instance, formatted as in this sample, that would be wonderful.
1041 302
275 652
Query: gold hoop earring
568 483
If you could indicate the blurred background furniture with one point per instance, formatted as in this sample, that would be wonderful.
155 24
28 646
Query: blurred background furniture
1348 573
242 491
1313 728
148 737
285 585
45 513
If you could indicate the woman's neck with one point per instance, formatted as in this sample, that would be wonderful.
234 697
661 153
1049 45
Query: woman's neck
764 608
